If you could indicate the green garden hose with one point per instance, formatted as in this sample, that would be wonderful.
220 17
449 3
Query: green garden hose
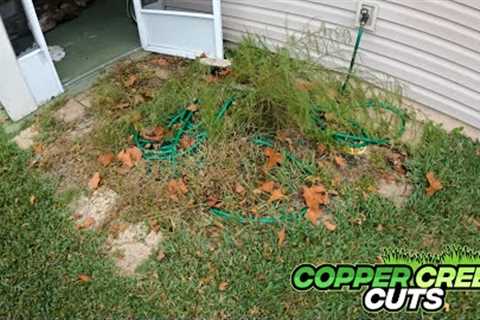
183 124
364 140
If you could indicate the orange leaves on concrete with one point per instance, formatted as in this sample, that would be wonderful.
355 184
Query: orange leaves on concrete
274 158
435 185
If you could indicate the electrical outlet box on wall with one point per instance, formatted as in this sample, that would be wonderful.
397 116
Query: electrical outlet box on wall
373 10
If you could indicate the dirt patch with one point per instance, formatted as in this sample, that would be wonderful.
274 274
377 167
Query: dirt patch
26 138
133 246
396 191
71 112
94 212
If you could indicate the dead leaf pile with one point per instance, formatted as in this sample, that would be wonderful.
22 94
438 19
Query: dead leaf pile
435 185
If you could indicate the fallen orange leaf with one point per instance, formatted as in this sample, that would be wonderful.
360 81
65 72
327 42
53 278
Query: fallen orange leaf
177 188
131 80
186 142
434 184
329 224
154 135
282 235
315 196
160 255
124 157
211 78
239 188
87 223
303 85
223 286
274 158
38 148
84 278
135 154
277 195
105 159
122 105
130 156
267 187
321 150
213 202
160 62
94 181
225 72
313 215
341 162
193 107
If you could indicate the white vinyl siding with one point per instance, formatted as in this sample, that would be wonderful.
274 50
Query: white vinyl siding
431 46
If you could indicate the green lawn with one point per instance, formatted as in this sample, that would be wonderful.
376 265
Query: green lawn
42 254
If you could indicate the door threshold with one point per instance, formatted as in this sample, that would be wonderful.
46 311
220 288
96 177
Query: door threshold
84 81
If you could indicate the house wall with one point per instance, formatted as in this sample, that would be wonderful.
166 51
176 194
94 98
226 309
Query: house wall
431 46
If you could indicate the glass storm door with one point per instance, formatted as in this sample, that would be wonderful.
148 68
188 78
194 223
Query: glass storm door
186 28
30 79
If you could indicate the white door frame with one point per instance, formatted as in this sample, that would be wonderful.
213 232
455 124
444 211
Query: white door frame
15 95
147 30
30 79
37 66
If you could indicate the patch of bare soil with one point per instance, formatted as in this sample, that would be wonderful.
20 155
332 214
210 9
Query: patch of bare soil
132 245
